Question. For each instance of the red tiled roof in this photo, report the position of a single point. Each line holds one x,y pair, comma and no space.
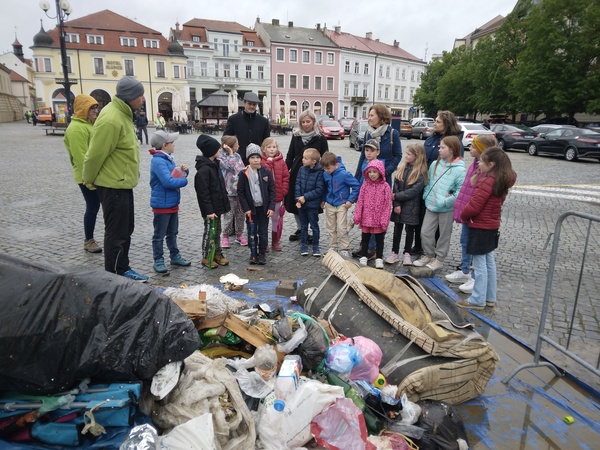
350,41
14,76
199,27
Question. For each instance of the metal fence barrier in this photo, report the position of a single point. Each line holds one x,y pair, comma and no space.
542,337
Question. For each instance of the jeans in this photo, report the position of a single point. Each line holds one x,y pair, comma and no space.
484,271
119,223
92,206
165,225
466,258
309,216
408,239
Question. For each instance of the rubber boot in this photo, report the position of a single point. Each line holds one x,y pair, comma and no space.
275,241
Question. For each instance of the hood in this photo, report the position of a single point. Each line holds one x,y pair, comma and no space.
82,105
377,164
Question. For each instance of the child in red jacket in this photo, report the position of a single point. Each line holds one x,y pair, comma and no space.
272,159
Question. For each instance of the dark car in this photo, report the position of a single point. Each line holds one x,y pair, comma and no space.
346,123
570,142
513,136
357,133
547,127
331,129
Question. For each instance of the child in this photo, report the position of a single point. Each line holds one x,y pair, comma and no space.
256,190
445,178
272,159
212,197
309,193
463,275
341,191
407,192
371,154
482,214
231,165
165,181
373,210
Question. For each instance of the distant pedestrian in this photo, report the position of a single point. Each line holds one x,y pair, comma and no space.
309,191
272,159
142,126
248,125
159,123
28,116
34,118
231,165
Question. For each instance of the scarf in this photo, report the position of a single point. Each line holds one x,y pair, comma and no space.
306,137
376,133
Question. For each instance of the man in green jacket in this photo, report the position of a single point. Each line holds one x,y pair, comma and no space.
112,165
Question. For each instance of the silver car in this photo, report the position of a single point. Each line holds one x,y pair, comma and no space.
422,129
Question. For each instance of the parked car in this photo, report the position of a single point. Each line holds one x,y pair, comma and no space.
470,130
547,127
331,129
357,133
346,123
322,117
570,142
513,135
406,129
44,115
422,129
414,120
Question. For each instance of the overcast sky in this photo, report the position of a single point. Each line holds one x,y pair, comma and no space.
422,27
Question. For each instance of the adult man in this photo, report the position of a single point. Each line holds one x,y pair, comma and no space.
112,164
141,123
248,126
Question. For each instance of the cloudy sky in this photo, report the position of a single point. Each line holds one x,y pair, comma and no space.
421,27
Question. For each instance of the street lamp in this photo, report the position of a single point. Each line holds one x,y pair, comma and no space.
63,10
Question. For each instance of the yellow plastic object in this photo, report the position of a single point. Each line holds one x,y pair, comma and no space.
569,419
218,352
379,381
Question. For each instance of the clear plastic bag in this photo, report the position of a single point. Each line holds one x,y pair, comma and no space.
342,358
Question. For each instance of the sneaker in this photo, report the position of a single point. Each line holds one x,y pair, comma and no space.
344,254
179,260
316,253
159,265
295,236
225,242
465,304
133,275
467,288
261,260
392,258
422,261
458,277
253,260
379,263
221,260
406,259
214,265
490,304
304,253
91,246
356,253
240,239
363,261
435,264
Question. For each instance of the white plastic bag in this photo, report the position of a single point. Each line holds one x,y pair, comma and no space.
197,433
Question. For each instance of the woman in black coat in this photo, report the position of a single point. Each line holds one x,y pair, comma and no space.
306,136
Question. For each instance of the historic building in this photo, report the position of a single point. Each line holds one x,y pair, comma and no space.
21,76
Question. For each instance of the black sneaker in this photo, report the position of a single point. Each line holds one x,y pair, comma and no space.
253,260
261,260
356,253
295,236
416,251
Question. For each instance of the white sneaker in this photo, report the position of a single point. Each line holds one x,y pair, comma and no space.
467,288
392,258
458,277
422,261
407,260
435,264
363,261
344,254
379,263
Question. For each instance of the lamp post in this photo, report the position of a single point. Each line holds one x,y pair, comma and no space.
63,10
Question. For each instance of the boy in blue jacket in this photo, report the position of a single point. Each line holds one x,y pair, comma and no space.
309,194
165,181
341,191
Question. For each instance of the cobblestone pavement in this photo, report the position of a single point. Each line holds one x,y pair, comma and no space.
41,219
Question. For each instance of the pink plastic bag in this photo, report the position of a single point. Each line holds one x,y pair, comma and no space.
368,368
341,426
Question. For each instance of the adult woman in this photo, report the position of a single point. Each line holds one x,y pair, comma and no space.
445,125
77,138
306,136
390,147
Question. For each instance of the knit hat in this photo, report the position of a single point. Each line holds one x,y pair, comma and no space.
478,145
209,146
128,88
372,143
253,149
162,137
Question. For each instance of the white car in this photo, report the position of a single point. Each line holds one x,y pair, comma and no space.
421,119
470,130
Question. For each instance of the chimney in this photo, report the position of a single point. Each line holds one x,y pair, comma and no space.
338,29
291,24
275,22
318,26
257,19
369,35
177,26
396,43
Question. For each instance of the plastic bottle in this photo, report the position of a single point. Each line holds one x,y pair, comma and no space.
287,380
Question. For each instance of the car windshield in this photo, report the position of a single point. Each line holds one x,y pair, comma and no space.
585,131
330,123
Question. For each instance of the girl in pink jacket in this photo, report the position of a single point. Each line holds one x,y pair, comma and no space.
373,208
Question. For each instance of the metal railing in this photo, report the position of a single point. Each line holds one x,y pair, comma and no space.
542,337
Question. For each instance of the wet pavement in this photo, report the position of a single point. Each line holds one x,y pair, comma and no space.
42,208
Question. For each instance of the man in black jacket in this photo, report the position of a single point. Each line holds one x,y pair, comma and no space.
248,126
141,124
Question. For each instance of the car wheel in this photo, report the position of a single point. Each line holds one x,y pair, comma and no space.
350,143
571,153
421,136
532,149
502,144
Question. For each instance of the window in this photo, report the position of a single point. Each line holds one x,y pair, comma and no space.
69,67
346,89
365,91
203,69
347,67
261,72
402,89
386,93
250,43
293,81
379,88
396,90
364,112
412,93
366,71
318,83
128,63
225,47
404,74
160,69
190,68
248,71
195,38
419,76
355,90
380,70
306,56
412,75
216,69
152,43
216,44
236,70
280,54
226,70
128,42
330,83
280,81
293,55
397,73
72,37
346,111
99,66
235,46
330,58
318,57
387,71
305,82
95,39
357,67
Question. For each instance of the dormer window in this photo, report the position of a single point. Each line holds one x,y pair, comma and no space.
195,38
97,39
128,42
151,43
72,37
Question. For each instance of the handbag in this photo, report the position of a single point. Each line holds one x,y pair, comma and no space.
481,241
